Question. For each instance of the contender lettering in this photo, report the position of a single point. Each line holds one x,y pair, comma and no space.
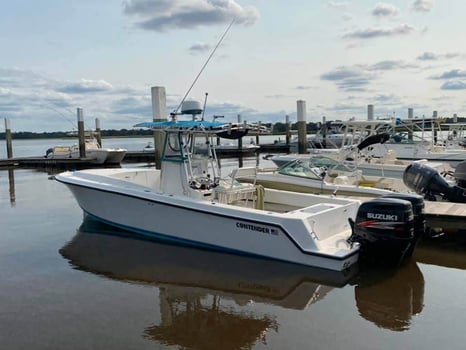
256,228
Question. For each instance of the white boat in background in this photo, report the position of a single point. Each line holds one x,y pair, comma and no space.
149,147
421,139
378,152
94,151
419,150
387,166
188,201
307,175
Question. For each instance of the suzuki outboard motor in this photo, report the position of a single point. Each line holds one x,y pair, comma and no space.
427,181
385,229
417,202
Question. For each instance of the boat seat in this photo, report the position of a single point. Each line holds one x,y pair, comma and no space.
231,190
383,183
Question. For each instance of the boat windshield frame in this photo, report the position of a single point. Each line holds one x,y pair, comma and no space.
300,168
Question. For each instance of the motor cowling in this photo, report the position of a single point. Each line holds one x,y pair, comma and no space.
427,181
419,225
385,229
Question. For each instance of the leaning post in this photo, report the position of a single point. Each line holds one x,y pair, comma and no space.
258,132
9,146
82,143
302,127
159,106
240,144
287,128
97,131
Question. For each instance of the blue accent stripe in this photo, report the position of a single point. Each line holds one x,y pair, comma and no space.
185,242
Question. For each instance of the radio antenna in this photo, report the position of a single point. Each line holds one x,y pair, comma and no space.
205,103
205,64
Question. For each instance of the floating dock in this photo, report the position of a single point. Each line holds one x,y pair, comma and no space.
130,157
446,215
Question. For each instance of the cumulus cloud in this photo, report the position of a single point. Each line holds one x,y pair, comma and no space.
454,85
391,65
334,4
452,74
385,10
85,86
422,5
358,77
166,15
430,56
304,87
348,78
372,33
346,17
14,77
199,48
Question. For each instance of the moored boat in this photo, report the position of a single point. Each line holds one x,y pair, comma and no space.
188,201
94,151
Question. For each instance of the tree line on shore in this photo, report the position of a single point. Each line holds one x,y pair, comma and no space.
276,129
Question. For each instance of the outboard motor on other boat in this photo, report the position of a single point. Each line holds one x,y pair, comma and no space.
428,182
385,229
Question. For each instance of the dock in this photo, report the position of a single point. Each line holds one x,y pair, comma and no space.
130,157
446,215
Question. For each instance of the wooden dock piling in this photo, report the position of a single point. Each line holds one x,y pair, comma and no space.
9,146
98,133
302,127
159,106
82,144
287,125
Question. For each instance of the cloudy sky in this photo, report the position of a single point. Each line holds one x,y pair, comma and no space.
338,56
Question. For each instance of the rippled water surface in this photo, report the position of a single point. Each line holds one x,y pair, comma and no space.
67,282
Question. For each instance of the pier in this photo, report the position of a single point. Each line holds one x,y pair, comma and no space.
130,157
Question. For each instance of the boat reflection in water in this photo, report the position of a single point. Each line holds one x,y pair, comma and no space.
205,296
390,298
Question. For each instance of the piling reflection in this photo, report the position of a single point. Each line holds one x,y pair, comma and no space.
390,298
11,181
206,298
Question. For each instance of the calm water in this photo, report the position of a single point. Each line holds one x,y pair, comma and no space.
70,283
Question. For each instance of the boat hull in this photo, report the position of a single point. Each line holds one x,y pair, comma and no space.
115,156
209,225
413,151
